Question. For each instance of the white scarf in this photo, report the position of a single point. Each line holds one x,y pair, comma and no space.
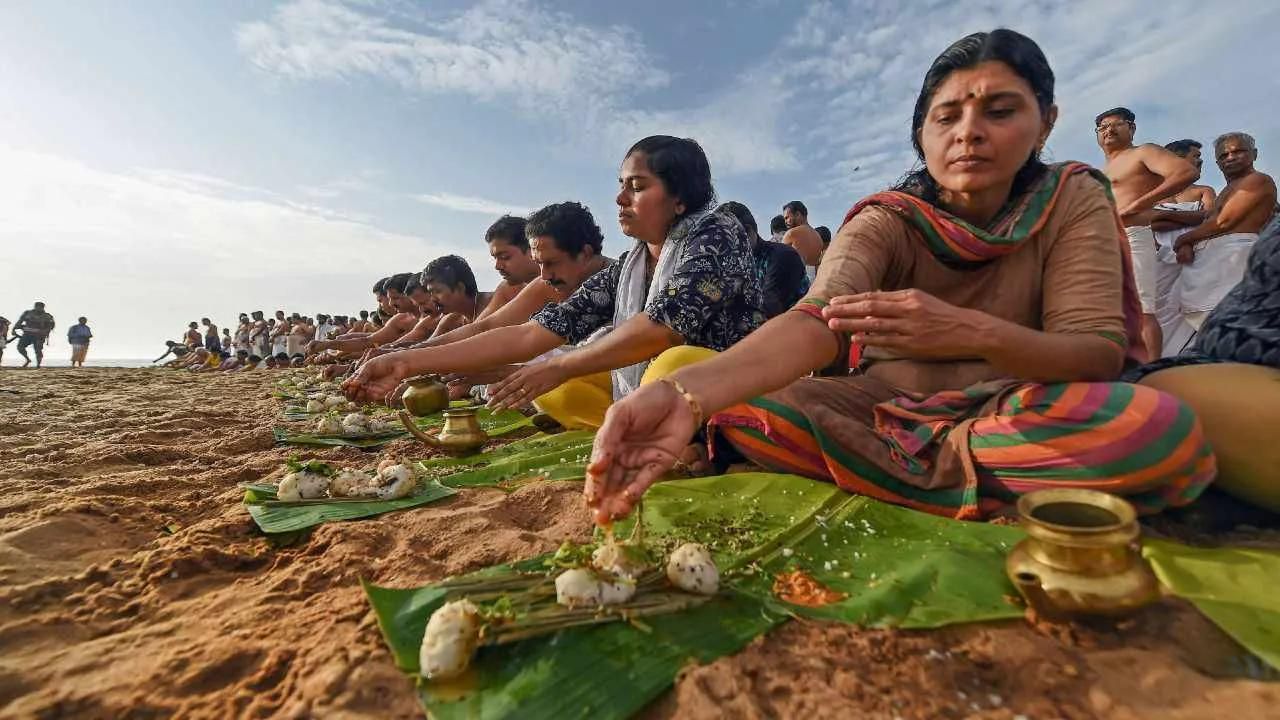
630,298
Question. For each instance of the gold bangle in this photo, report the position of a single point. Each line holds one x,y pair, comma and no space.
694,405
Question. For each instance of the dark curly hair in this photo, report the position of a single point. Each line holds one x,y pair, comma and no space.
1012,48
509,229
682,167
450,270
570,224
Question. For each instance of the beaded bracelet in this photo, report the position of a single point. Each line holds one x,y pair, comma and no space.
694,405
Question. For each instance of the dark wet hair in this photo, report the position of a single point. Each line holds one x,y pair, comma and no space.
777,224
255,358
744,216
281,356
415,283
570,224
204,320
450,270
682,167
193,324
796,206
509,229
824,232
364,314
242,351
81,320
380,287
397,282
1182,148
1012,48
224,354
1123,113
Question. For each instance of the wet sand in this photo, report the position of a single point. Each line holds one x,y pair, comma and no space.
133,584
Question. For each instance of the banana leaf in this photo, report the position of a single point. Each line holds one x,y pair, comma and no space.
291,518
1233,587
496,424
899,567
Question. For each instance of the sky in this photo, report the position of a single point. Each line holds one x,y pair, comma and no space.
161,162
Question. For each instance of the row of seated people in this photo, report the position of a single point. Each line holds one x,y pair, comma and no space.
963,342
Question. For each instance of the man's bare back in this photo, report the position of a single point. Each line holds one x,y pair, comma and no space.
806,241
1247,203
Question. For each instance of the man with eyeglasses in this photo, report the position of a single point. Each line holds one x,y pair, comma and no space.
1141,176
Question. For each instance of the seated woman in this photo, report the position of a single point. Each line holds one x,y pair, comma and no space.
991,299
1230,376
686,289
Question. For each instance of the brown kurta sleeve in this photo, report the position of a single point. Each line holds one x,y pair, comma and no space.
861,255
1083,281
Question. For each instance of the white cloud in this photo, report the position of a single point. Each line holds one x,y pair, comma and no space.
595,82
463,203
496,48
143,253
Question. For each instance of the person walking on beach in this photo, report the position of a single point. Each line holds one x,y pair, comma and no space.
78,338
35,324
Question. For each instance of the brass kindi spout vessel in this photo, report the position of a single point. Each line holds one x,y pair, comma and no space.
461,434
426,395
1080,556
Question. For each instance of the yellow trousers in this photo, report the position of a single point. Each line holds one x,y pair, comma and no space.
1239,408
580,403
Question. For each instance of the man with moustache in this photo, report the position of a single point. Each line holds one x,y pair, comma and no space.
509,249
1172,218
1141,176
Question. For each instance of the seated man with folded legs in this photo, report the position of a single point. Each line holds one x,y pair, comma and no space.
685,290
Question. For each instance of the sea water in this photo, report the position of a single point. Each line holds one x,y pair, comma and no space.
13,359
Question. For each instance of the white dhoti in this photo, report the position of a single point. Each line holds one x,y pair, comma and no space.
1173,326
1142,248
1218,266
811,272
279,345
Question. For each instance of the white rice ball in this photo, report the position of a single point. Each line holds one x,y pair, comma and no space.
396,481
355,423
450,640
302,486
617,591
351,483
691,569
329,425
315,406
578,587
334,401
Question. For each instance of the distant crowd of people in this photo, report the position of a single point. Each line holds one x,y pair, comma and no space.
33,330
260,342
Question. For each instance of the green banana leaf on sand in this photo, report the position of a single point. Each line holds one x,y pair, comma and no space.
541,456
289,518
496,424
897,566
1233,587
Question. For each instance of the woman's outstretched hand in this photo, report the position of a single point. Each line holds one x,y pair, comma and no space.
642,437
910,322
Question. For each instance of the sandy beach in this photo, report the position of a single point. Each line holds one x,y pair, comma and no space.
133,584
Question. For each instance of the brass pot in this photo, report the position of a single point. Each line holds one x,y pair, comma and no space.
1080,556
460,436
426,395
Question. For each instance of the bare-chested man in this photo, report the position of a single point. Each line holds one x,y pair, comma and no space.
1173,217
802,237
1214,254
1141,176
509,249
259,343
192,336
406,315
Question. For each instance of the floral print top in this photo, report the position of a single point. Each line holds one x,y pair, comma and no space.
713,299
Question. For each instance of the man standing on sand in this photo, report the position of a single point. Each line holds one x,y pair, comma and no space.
1173,217
35,324
4,335
192,336
259,344
212,342
803,238
1141,176
1215,253
78,338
